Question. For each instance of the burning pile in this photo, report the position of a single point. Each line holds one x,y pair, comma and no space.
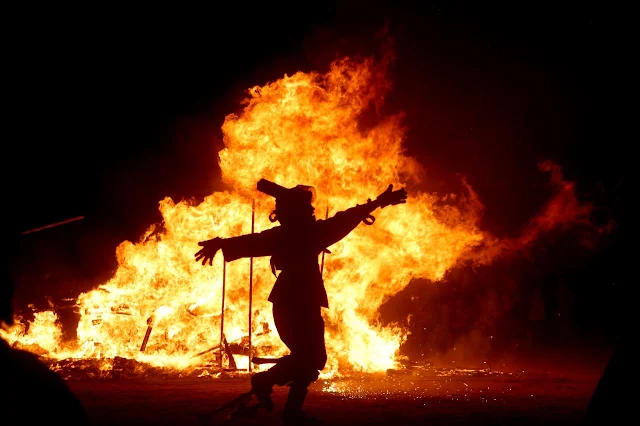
301,129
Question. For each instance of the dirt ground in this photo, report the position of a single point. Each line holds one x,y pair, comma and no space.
425,397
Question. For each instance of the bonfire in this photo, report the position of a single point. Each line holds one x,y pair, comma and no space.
161,312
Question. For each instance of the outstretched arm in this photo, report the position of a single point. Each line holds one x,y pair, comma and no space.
251,245
390,198
208,250
340,225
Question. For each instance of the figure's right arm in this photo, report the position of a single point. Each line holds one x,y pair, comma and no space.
340,225
250,245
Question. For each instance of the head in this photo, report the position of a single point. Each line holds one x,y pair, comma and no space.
293,205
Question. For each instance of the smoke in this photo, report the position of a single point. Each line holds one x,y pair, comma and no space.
513,296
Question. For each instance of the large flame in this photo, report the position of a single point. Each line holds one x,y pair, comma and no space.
301,129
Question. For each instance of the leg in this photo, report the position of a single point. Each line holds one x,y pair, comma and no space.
305,338
302,330
281,373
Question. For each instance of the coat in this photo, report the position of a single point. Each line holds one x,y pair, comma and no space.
294,251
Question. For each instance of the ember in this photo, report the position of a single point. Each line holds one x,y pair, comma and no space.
161,313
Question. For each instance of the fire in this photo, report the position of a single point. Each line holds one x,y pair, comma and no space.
301,129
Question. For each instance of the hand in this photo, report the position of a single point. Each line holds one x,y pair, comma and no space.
391,197
208,250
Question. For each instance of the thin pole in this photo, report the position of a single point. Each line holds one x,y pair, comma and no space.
224,283
326,216
143,347
253,217
53,225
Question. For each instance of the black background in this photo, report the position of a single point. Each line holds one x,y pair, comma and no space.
115,109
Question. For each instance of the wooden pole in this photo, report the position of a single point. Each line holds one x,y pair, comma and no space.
224,283
253,216
143,347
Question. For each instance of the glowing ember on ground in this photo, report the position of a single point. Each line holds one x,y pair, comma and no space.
414,383
300,129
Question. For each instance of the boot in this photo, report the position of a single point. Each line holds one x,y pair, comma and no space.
292,414
262,388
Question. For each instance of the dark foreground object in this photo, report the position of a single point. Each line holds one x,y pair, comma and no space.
460,398
611,402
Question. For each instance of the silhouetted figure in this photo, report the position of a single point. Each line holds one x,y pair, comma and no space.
32,394
298,294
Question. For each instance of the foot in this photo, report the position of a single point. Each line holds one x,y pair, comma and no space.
262,389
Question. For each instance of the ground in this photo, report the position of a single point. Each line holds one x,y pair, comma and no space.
422,396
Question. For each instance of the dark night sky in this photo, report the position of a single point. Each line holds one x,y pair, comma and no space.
116,111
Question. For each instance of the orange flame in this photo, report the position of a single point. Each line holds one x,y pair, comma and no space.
301,129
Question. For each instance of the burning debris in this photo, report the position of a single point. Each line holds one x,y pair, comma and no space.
162,313
126,368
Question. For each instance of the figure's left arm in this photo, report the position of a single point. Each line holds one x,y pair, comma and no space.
249,245
340,225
